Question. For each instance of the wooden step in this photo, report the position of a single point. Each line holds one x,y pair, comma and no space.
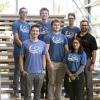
10,60
5,37
6,54
6,42
7,90
6,82
96,89
6,74
5,48
7,67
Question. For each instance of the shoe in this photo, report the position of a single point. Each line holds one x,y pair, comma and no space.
16,95
66,96
42,96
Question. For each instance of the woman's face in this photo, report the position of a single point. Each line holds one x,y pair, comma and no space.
76,44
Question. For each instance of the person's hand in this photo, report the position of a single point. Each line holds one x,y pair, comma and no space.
50,65
23,72
72,76
91,67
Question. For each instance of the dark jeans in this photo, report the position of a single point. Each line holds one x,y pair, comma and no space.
44,89
35,80
65,86
76,88
17,76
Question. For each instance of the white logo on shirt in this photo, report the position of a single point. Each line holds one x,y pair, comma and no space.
73,57
69,34
35,49
57,40
24,28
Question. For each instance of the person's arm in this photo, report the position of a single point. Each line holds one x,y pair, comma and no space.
17,40
80,70
44,61
66,48
15,30
93,59
47,53
21,60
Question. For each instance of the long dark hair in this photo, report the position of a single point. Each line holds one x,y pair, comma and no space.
80,50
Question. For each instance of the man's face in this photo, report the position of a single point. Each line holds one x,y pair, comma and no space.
34,33
71,20
44,14
23,13
84,26
56,27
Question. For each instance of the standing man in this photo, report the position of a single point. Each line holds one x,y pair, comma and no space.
56,46
45,26
20,30
33,50
90,47
69,32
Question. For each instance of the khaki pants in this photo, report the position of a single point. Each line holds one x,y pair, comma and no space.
55,75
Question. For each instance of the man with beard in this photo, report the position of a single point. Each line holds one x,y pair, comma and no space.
90,47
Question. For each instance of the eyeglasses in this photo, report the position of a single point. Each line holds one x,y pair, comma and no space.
23,12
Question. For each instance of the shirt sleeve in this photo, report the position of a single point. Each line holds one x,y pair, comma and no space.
65,41
44,50
47,39
15,27
93,44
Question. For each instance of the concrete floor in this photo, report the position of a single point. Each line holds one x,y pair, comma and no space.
8,97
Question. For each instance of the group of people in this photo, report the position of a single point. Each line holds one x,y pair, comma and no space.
45,55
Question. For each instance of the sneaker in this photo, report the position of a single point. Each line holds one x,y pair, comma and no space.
42,96
16,95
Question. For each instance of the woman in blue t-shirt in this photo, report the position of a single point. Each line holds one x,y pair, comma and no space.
75,61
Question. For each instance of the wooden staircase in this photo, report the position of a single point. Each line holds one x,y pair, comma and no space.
6,51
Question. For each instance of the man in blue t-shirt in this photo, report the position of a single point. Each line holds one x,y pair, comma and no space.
56,46
45,25
69,31
20,30
33,50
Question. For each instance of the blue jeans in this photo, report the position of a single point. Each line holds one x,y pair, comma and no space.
35,80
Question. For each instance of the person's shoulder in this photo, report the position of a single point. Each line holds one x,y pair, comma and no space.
16,22
90,36
26,41
42,42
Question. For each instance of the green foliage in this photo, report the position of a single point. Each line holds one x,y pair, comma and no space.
4,5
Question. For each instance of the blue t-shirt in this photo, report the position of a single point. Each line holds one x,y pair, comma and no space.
23,29
45,29
57,43
69,33
75,59
33,52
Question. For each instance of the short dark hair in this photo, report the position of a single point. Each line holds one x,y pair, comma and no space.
84,20
21,9
44,9
35,25
55,21
79,40
71,14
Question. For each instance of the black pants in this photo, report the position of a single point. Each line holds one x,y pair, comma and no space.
44,89
76,88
